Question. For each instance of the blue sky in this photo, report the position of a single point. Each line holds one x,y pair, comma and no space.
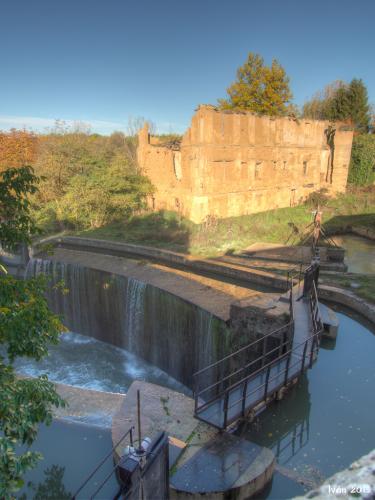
101,62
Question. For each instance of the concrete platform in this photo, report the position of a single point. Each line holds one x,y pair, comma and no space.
225,464
205,462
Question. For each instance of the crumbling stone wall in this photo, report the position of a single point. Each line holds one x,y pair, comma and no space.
232,164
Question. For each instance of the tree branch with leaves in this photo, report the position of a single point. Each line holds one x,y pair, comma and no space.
27,328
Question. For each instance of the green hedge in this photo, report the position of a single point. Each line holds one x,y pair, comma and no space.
362,164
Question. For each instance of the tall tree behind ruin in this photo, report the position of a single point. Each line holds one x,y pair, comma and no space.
259,88
341,101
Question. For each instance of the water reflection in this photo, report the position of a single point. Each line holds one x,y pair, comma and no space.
286,428
70,452
326,421
52,487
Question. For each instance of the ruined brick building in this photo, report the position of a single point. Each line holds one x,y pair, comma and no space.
230,164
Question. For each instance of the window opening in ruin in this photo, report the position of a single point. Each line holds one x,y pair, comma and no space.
274,164
305,168
258,167
284,165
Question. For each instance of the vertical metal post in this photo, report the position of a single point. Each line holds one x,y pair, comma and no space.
287,367
139,418
244,393
226,398
312,351
265,340
303,357
285,332
267,379
195,395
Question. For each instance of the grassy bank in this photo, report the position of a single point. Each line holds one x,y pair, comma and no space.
216,236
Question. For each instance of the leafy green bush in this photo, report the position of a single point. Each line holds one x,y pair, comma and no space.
362,165
101,196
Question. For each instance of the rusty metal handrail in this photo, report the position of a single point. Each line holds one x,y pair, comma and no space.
216,363
310,348
277,348
129,433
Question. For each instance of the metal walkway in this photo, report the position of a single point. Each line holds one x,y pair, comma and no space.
243,381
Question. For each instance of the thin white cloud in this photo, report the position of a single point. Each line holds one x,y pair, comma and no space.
40,124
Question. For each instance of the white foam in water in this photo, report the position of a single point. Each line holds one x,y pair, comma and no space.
85,362
74,338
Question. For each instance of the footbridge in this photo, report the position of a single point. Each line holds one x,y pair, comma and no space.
247,380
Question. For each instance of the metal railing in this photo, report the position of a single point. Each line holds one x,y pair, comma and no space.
294,277
129,433
291,360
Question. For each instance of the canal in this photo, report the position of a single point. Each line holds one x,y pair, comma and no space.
327,420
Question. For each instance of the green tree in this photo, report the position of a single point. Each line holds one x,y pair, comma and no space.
259,88
27,327
360,108
103,195
343,102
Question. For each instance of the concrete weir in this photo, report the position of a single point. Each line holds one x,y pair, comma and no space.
180,314
180,321
172,318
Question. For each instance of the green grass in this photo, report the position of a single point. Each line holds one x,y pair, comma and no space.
217,236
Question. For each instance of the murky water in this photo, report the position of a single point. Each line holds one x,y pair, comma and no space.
327,421
88,363
359,253
70,451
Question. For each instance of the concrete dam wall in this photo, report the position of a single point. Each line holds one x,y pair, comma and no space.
162,328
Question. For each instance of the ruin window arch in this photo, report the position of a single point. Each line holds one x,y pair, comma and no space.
305,168
258,169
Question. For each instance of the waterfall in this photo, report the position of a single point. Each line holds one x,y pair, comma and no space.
160,327
134,313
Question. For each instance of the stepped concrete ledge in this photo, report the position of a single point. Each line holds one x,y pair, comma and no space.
86,405
204,463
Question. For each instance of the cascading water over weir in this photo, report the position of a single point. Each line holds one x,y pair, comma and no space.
172,334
